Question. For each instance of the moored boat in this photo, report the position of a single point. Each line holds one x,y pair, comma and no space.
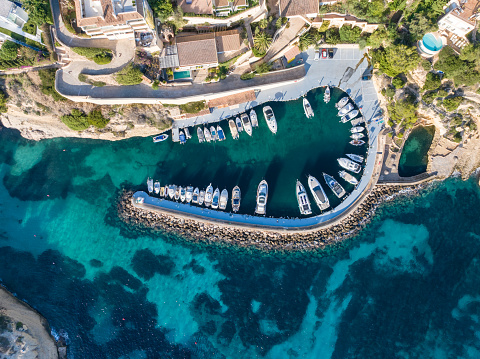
187,133
195,195
223,200
209,195
160,138
270,118
254,118
247,126
201,197
172,189
150,184
208,136
220,134
156,187
162,191
233,129
307,108
357,136
236,197
302,198
357,129
357,142
183,194
238,122
189,194
349,116
344,110
349,165
318,193
326,95
341,103
165,191
334,186
177,193
213,133
348,177
356,158
216,197
201,137
182,137
262,196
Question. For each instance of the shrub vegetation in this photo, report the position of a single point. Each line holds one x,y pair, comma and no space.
129,75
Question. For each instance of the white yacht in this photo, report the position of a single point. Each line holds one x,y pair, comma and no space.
156,187
307,108
223,200
216,196
356,158
349,116
247,126
254,118
189,195
318,193
357,129
262,196
357,136
171,191
344,110
150,185
348,177
183,194
270,118
326,95
201,197
302,198
236,197
196,192
187,133
349,165
334,186
209,195
201,137
177,193
233,129
238,122
208,136
341,103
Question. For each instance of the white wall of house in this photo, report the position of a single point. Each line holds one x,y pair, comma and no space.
455,24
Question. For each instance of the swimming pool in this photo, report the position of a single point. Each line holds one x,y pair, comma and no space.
432,42
178,75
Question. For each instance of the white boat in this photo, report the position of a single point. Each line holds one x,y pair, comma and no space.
238,122
334,186
302,198
160,138
357,129
349,116
162,191
307,108
201,137
357,142
183,194
177,193
247,126
171,191
357,136
356,158
213,133
270,118
348,177
208,136
209,195
254,118
220,133
223,200
156,187
216,196
233,129
195,195
318,193
182,138
349,165
341,103
187,133
189,195
326,95
262,196
343,111
201,197
150,184
236,197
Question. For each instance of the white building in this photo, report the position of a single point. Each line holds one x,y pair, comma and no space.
460,17
12,13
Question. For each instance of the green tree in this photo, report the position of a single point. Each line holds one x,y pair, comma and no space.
263,24
263,68
378,37
419,26
129,75
262,42
9,51
96,119
349,34
280,22
397,59
162,8
452,103
375,8
397,5
3,102
177,18
76,121
432,82
332,36
38,11
403,112
305,41
461,71
471,53
398,82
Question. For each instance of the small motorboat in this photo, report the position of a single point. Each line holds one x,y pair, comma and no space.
326,95
349,116
160,138
165,191
247,126
201,197
343,111
208,136
357,136
270,118
302,198
349,165
172,190
201,137
334,186
318,193
356,158
357,129
236,197
156,187
262,196
254,118
187,133
348,177
177,193
183,194
216,197
233,129
357,142
340,104
189,195
150,184
223,200
307,108
213,133
209,195
195,195
182,137
220,134
238,122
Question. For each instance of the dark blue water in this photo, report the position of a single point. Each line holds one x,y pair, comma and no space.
407,287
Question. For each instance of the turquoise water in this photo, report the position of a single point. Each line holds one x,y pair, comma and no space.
431,42
178,75
414,158
407,287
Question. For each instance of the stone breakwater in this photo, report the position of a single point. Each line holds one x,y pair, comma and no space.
209,232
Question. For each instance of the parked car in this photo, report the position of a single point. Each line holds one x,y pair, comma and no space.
330,53
317,55
324,53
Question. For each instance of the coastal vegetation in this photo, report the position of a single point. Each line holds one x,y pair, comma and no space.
129,75
78,121
98,55
193,107
47,87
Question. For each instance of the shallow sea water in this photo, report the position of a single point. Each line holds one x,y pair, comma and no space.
407,287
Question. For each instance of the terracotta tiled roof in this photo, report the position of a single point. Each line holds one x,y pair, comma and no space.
108,17
197,49
290,54
467,10
231,100
201,7
298,7
228,40
219,3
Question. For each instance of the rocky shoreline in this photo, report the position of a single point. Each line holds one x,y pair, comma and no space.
266,240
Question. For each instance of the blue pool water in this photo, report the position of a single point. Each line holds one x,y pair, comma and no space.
178,75
431,42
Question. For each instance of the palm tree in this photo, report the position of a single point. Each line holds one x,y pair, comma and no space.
262,42
263,24
305,41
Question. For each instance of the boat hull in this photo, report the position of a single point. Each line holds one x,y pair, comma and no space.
318,193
